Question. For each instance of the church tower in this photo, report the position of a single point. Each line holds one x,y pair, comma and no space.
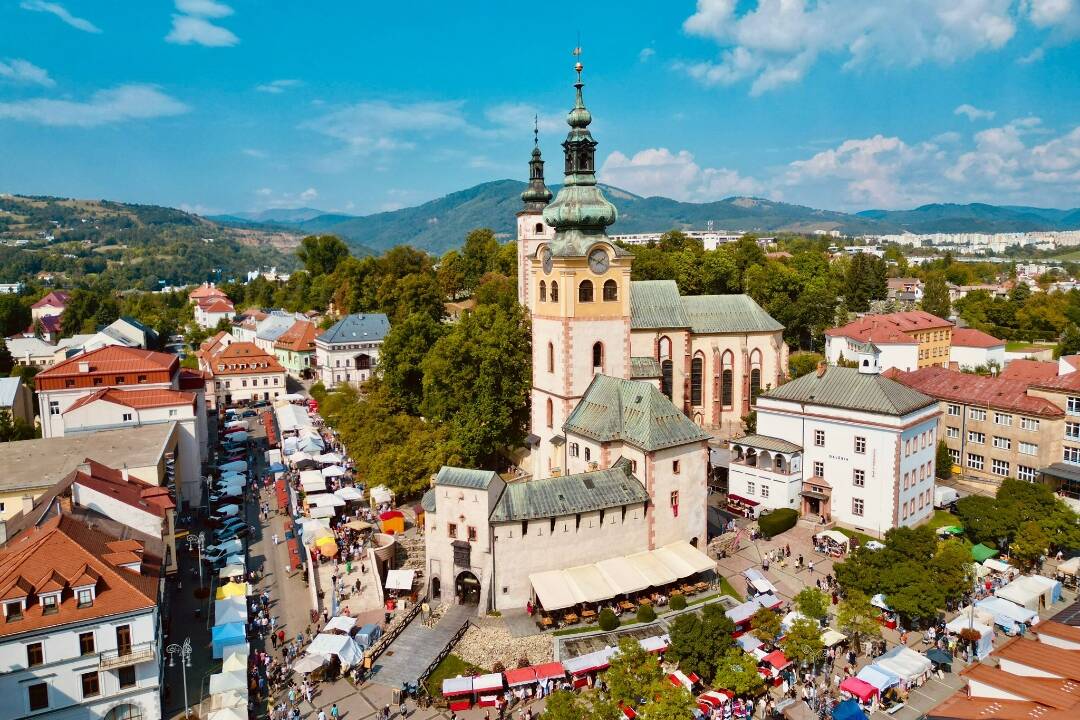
531,228
579,295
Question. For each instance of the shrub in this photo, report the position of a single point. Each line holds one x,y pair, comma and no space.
498,667
777,521
608,620
678,602
645,614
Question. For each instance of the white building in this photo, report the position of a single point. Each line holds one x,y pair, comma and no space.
841,443
211,311
348,352
973,348
241,373
81,637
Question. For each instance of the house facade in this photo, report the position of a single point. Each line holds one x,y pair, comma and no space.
295,348
241,373
907,340
348,351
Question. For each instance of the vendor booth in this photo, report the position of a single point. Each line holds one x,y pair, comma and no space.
863,691
848,709
222,636
228,682
909,665
368,634
458,692
879,677
985,644
832,542
344,647
757,583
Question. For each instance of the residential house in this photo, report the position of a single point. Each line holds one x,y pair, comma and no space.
295,348
246,323
205,291
211,311
31,351
348,351
241,373
272,327
973,348
17,399
52,305
908,289
907,340
81,636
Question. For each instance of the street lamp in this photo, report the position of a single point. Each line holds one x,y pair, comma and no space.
197,541
184,651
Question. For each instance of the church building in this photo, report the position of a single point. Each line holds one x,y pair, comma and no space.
629,382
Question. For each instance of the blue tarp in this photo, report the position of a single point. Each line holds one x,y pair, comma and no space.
224,635
848,710
276,468
368,634
879,677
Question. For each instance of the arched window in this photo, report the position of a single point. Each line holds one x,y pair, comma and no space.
611,290
539,228
697,369
727,387
665,378
584,291
551,358
755,383
554,291
543,291
550,413
598,356
664,348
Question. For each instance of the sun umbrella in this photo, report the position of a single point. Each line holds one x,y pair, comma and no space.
327,546
359,525
310,663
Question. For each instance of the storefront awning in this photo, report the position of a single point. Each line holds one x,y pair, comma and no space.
652,569
590,584
552,590
622,575
689,556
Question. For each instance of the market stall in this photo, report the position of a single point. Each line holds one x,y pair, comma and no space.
985,644
487,689
226,634
1022,592
344,647
832,542
340,623
228,681
879,677
859,689
909,665
458,692
757,583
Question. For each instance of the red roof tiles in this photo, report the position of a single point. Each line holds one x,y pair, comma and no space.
56,298
299,338
137,399
243,358
205,291
970,337
112,365
997,393
1030,370
142,496
889,329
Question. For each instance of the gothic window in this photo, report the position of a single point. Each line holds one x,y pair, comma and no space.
611,290
755,383
550,413
697,367
598,355
551,358
727,387
584,293
543,291
664,349
554,291
665,378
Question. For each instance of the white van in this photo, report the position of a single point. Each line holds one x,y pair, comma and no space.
945,496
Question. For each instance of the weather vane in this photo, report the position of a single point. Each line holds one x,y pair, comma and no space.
536,130
577,53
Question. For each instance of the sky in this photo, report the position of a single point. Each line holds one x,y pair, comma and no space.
242,105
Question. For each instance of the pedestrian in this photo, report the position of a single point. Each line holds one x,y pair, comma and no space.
810,566
386,712
334,712
403,710
322,714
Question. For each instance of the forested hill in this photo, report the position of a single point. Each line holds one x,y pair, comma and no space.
129,246
441,224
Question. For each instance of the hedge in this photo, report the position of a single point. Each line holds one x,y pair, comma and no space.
678,602
777,521
608,620
645,614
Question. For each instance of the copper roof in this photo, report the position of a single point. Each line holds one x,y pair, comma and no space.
970,337
216,305
298,338
1052,660
966,389
74,551
1030,370
112,359
138,399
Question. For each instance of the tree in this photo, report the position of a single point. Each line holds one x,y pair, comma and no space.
478,255
943,461
566,705
7,362
402,357
982,518
801,363
14,315
412,293
812,603
321,254
766,625
669,702
1029,545
15,428
802,643
697,641
1069,342
936,296
451,274
633,674
857,618
737,671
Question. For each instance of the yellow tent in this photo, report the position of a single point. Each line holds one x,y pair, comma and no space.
232,589
327,546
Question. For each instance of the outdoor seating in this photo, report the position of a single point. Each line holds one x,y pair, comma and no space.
645,601
546,621
588,616
626,605
570,618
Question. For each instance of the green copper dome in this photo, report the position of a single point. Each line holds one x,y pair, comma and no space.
580,212
537,195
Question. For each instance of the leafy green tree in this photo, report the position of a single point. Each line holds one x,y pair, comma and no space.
633,675
497,289
980,517
403,353
1069,342
15,428
413,293
698,641
321,254
936,296
566,705
451,274
669,703
857,618
943,461
813,603
801,363
802,643
6,361
766,625
14,315
1029,545
478,255
737,671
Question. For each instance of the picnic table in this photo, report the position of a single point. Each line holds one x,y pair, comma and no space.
645,601
687,589
546,621
674,592
702,586
626,605
588,615
570,618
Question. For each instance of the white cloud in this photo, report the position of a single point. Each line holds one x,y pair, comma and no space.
658,171
204,8
254,153
776,42
378,125
61,12
973,113
646,54
25,72
104,107
516,120
276,87
189,30
1062,17
309,195
268,198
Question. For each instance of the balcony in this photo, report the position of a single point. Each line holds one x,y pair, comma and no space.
139,653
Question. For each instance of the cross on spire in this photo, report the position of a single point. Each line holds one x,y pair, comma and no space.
536,130
577,54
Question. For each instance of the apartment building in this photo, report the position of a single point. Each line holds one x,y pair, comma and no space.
1063,391
348,351
907,340
994,427
241,372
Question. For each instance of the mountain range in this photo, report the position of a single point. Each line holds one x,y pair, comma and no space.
441,224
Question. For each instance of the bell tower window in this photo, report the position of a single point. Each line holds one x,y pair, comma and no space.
611,290
543,291
598,357
585,291
539,228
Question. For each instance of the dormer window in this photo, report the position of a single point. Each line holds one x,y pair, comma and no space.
50,603
13,610
120,380
85,596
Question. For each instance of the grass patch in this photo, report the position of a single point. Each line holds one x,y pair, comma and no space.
942,518
451,666
1022,346
862,537
577,630
727,588
707,598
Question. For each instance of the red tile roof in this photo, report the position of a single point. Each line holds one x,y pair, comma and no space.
56,298
191,379
140,495
962,707
970,337
889,329
216,305
71,549
49,324
246,358
1030,370
205,291
1069,382
138,399
111,360
997,393
299,338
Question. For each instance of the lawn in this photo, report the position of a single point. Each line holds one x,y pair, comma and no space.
1021,346
942,518
726,588
863,538
451,666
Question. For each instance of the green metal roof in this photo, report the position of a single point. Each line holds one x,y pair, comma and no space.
428,501
767,442
569,494
465,477
712,314
850,389
644,367
633,411
656,304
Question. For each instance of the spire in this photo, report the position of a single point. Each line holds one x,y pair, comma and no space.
537,195
580,211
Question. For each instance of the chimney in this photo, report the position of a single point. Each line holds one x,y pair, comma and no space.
821,368
28,504
124,472
3,531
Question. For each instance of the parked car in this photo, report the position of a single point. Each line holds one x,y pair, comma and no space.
945,497
231,533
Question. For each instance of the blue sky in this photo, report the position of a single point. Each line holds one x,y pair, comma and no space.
360,107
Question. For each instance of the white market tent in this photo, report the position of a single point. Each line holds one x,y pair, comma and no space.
692,558
226,681
382,494
292,417
1070,566
230,699
553,590
333,471
234,662
347,649
231,571
589,583
835,536
230,610
652,569
400,579
878,601
228,713
1007,613
239,648
312,481
330,458
1051,588
1022,593
879,677
292,397
321,512
906,663
344,623
986,632
758,581
832,637
349,494
325,500
997,565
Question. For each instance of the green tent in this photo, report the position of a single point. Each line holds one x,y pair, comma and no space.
981,552
950,530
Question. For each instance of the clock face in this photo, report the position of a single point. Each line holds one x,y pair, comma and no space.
545,258
598,261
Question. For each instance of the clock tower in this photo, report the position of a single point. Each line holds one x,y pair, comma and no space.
578,295
531,228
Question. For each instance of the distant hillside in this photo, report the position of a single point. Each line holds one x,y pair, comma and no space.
274,215
441,224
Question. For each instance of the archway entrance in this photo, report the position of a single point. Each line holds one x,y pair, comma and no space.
125,712
436,588
467,588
